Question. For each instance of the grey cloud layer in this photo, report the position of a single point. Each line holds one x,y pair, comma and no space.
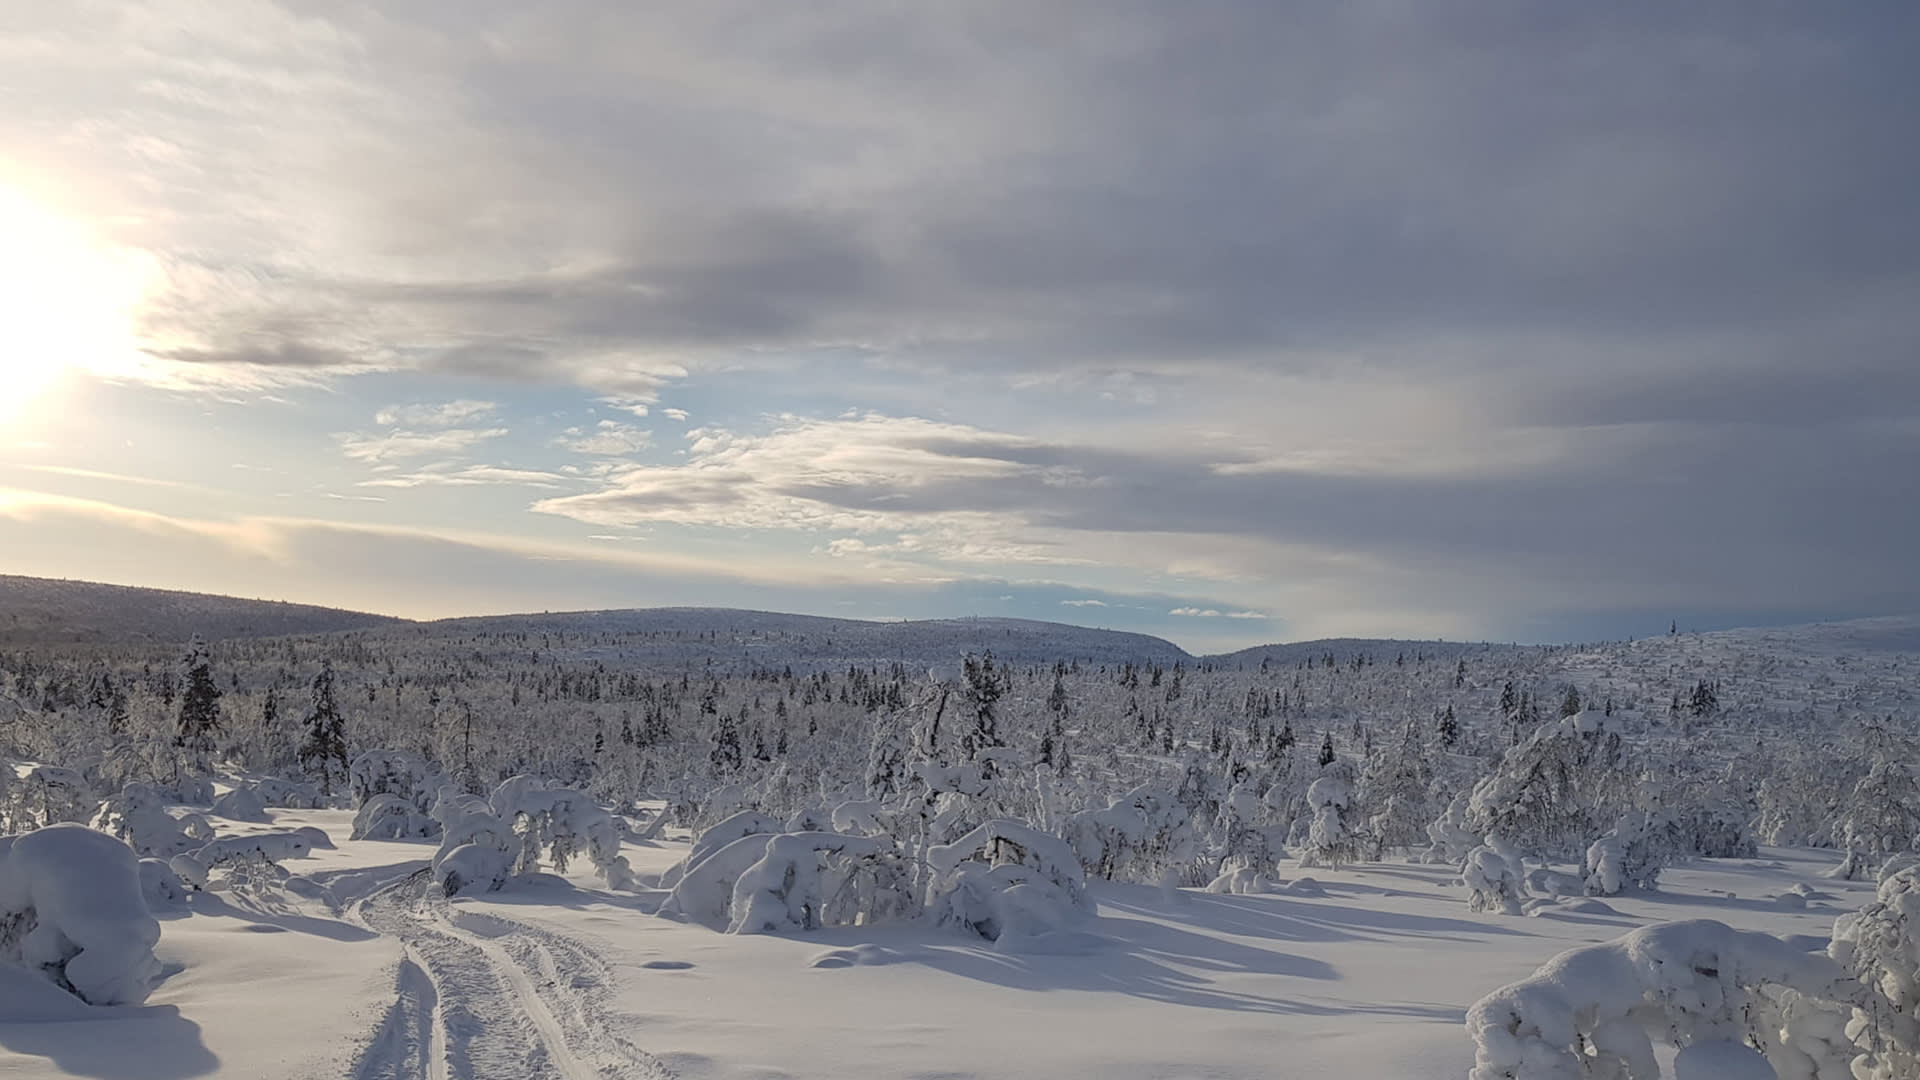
1616,303
601,192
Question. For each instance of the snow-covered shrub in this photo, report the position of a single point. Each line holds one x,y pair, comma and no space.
1719,832
1880,946
717,836
47,795
1004,881
703,891
1551,794
273,847
1630,856
1331,839
247,861
394,772
485,843
1249,844
289,794
1492,874
559,823
781,892
1905,860
243,803
389,817
1881,816
161,886
1450,838
139,815
476,848
1241,881
1596,1011
1140,837
71,907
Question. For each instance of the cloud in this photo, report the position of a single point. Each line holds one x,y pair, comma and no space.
608,438
444,415
394,445
659,199
451,475
1083,603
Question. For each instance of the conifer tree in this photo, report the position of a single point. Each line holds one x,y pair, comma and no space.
325,743
199,701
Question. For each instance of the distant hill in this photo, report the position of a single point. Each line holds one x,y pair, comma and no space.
44,611
1343,650
674,636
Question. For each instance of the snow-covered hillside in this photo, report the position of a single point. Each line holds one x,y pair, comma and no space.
709,843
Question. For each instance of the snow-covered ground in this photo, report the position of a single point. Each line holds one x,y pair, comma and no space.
376,977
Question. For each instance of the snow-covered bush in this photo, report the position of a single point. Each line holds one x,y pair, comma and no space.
1880,946
1597,1011
1331,838
161,886
1005,881
781,892
1450,838
1881,816
1631,855
47,795
703,891
71,907
1553,793
394,772
1493,876
485,843
139,815
389,817
1141,837
560,823
1241,881
719,835
289,794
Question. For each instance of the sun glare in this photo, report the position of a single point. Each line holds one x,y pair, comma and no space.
67,304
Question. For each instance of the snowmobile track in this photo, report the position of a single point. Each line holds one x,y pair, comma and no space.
479,997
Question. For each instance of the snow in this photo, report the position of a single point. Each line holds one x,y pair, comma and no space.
72,905
1139,988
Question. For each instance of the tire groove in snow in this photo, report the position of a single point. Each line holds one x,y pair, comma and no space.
475,1006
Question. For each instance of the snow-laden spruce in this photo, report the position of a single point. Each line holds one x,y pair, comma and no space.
72,908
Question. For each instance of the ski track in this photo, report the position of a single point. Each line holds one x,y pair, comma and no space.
479,997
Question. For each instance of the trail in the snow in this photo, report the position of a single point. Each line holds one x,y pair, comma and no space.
480,997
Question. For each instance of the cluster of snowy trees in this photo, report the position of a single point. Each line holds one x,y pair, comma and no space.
1580,756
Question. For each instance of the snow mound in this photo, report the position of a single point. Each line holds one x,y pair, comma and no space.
865,955
71,905
241,804
161,887
1304,886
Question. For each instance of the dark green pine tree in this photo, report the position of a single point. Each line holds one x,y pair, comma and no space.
726,754
1326,750
986,684
199,701
1449,728
325,744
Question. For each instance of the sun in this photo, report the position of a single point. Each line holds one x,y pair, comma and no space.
67,304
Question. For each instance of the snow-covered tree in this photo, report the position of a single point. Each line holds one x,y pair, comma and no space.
323,748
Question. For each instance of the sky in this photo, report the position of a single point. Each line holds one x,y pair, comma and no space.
1228,322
